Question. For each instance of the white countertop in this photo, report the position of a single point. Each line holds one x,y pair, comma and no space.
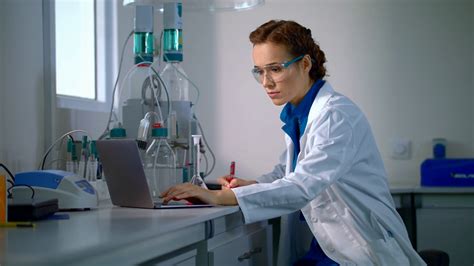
107,231
111,234
427,190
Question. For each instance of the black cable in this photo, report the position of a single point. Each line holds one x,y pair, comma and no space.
8,171
47,152
21,185
70,136
12,184
44,160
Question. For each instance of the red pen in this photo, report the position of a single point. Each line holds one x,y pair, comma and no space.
232,172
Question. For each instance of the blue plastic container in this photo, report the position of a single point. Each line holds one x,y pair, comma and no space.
447,172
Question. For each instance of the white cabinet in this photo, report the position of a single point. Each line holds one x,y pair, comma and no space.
233,243
186,259
242,247
228,242
440,218
446,222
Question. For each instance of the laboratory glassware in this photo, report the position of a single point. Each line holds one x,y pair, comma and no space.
93,164
143,34
71,156
172,32
139,96
197,179
175,78
160,162
84,157
173,73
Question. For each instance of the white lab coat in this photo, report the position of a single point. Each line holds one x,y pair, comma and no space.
339,184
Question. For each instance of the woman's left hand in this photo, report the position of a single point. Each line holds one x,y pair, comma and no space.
189,192
196,194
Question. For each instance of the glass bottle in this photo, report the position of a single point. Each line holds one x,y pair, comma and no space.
136,97
160,162
173,73
175,78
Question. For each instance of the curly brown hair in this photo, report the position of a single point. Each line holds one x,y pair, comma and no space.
296,38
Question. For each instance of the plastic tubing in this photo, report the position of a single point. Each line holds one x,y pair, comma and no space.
56,141
107,128
127,76
164,87
150,75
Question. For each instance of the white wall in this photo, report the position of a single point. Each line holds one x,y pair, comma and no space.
404,63
408,64
2,83
22,86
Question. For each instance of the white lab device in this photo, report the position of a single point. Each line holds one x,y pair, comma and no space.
72,191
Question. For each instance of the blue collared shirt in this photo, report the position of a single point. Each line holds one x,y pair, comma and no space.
296,118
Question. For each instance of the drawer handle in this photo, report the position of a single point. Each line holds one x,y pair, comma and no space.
248,255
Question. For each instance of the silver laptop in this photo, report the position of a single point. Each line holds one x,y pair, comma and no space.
126,178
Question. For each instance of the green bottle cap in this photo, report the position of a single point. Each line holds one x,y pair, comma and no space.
69,145
159,132
93,148
118,132
84,142
73,152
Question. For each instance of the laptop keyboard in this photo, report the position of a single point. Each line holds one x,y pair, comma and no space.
159,203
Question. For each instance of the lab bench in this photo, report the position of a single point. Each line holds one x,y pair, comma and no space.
439,218
436,218
124,236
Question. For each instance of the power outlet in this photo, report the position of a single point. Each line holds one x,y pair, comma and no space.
401,149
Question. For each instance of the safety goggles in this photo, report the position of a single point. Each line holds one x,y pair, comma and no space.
276,72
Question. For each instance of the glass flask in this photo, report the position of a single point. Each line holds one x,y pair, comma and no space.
160,162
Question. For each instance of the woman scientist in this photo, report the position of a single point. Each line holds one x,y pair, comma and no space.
331,170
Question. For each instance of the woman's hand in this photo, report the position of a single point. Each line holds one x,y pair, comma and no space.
231,182
196,194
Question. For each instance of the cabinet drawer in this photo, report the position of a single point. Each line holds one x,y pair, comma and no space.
228,254
184,259
248,249
447,200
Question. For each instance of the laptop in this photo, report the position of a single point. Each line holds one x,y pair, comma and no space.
125,177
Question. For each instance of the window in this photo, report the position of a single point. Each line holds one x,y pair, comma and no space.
81,34
75,48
